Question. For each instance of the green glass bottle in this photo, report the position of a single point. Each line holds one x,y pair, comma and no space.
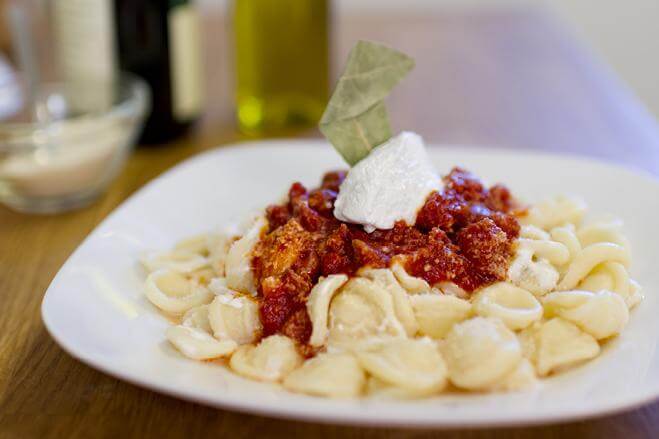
282,65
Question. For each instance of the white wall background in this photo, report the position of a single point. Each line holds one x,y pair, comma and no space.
625,33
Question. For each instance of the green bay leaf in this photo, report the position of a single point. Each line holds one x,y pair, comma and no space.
355,120
356,136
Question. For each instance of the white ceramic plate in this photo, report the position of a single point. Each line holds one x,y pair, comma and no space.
96,311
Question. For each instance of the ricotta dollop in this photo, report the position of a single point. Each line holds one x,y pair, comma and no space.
391,184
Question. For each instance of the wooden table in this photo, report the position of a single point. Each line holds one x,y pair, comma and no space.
513,78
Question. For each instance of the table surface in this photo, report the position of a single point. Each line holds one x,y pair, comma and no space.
514,78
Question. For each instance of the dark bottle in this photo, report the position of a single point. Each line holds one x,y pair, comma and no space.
159,40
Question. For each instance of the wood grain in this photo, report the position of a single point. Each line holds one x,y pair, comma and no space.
513,78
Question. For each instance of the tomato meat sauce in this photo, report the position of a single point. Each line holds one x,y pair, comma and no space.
463,235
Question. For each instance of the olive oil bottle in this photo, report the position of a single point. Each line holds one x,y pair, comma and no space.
282,66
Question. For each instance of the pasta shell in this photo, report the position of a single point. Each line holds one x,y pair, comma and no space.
173,293
197,344
362,314
197,317
218,249
516,307
480,352
538,277
523,377
334,375
318,304
413,285
234,318
451,289
219,286
437,313
602,314
567,236
402,306
179,261
635,294
377,388
603,231
556,211
271,360
527,341
238,263
613,276
530,231
589,258
415,365
561,344
195,244
552,251
202,276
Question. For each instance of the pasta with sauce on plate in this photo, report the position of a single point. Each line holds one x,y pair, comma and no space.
481,293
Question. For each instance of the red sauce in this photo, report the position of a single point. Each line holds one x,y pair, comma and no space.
463,235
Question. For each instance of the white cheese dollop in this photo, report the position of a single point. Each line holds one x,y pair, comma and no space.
390,184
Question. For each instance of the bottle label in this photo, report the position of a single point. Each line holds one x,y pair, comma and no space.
185,62
85,50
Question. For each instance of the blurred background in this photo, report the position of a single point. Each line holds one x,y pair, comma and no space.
623,33
84,81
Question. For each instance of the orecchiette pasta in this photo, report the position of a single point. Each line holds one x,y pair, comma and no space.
610,276
523,377
567,236
635,294
480,352
174,293
386,333
554,252
377,388
193,336
602,314
451,289
437,313
413,285
613,276
602,231
516,307
538,277
197,244
555,212
414,365
219,286
331,374
179,261
559,344
402,305
203,276
588,258
271,360
197,317
530,231
234,317
197,344
361,314
526,338
534,267
218,249
318,305
238,267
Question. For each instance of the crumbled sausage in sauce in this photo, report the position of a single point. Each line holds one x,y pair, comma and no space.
463,235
